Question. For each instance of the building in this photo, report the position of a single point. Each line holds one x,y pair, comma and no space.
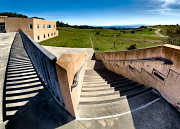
37,29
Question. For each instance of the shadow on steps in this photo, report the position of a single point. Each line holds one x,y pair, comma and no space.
41,112
148,109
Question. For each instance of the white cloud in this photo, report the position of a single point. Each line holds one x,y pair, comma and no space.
166,3
166,7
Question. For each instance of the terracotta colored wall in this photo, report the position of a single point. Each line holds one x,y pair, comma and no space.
44,31
67,66
13,24
145,72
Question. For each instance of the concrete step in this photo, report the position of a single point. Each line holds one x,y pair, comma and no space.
122,122
14,98
118,107
19,69
22,81
21,75
23,71
111,107
96,93
99,98
24,90
97,90
96,87
93,79
24,85
94,82
18,74
128,87
19,66
21,78
14,61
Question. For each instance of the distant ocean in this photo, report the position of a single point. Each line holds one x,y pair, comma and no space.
123,26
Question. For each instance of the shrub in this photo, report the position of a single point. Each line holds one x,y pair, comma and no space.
96,48
132,32
132,47
98,32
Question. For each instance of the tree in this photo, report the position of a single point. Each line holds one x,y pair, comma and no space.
10,14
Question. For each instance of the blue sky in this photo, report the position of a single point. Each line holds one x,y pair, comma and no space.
99,12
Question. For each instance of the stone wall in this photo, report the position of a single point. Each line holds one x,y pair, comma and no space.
67,67
157,67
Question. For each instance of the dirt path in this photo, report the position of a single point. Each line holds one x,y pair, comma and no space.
157,32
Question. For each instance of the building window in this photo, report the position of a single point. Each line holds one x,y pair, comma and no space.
44,26
48,35
31,26
37,26
51,34
54,33
38,37
48,26
44,36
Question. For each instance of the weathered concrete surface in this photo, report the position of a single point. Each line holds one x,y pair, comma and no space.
6,40
160,75
67,67
58,51
70,60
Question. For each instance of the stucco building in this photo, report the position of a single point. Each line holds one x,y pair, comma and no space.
37,29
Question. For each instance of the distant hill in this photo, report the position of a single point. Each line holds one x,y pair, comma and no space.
124,26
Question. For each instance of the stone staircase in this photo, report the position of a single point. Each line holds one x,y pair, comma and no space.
22,82
111,101
27,103
107,93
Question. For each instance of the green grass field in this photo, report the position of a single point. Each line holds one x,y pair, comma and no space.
104,39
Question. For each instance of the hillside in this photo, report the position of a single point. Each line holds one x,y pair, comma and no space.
105,39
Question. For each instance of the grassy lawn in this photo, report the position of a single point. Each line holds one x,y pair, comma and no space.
104,39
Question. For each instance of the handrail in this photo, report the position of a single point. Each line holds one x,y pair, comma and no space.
45,65
164,60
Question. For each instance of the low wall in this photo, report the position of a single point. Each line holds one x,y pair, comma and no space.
68,67
157,67
6,41
45,65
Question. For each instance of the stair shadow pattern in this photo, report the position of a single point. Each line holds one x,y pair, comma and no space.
27,103
149,110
